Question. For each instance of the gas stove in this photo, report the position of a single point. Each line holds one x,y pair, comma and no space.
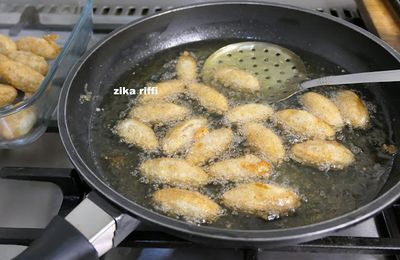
38,181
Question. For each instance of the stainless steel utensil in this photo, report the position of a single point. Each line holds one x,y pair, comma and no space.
281,72
277,69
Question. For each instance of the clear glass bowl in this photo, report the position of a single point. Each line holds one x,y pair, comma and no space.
24,122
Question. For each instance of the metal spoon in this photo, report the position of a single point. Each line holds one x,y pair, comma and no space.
281,72
278,70
354,78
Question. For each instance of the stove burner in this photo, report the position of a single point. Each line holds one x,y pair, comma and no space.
74,189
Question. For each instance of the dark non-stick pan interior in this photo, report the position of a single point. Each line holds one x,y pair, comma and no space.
145,47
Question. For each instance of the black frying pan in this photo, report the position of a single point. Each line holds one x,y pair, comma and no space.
104,65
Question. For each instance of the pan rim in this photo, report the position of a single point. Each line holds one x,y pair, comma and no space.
277,236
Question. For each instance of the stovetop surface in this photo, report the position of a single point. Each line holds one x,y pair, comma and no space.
48,155
40,159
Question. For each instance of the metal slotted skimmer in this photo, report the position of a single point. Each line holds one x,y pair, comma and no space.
277,69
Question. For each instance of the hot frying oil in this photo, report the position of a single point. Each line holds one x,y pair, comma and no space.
325,193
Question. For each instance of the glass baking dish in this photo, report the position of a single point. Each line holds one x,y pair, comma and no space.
25,121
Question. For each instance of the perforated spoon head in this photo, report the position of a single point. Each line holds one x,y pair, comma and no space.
278,70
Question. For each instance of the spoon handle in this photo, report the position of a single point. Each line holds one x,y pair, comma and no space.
364,77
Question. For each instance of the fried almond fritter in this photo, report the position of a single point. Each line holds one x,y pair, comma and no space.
261,199
191,205
241,169
45,46
322,153
249,113
134,132
19,75
6,44
323,108
264,141
208,97
210,145
159,113
352,108
166,91
181,136
18,124
303,123
186,67
237,79
7,94
35,62
173,171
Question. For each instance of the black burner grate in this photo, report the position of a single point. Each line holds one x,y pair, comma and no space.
74,189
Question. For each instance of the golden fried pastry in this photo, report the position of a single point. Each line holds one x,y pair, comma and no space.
7,94
134,132
45,47
301,122
210,145
6,44
186,67
264,141
241,169
35,62
182,135
322,153
159,113
174,172
261,199
249,113
352,108
237,79
191,205
166,90
209,98
323,108
18,124
19,75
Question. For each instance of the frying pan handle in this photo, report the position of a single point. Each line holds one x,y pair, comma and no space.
89,231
